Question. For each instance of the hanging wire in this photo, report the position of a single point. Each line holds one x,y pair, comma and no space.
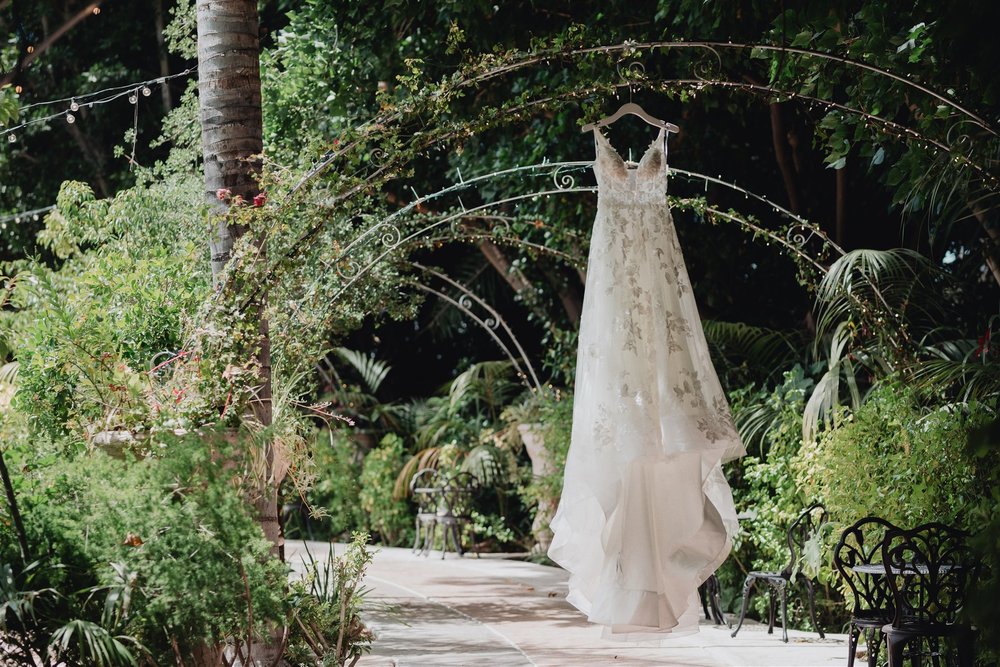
95,98
24,216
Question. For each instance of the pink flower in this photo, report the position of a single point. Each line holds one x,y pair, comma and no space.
984,345
222,194
259,199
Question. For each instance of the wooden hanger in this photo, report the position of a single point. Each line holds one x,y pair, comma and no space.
635,110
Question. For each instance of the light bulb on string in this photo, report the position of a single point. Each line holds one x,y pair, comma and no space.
70,118
133,99
73,106
11,138
146,92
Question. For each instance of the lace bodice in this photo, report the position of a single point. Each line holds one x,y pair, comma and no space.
645,183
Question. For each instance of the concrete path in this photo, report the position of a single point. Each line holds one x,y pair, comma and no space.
461,612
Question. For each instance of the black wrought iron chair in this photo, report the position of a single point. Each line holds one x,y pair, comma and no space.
710,593
858,559
425,489
455,508
929,570
806,525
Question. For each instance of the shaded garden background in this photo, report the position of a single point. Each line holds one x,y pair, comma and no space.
888,146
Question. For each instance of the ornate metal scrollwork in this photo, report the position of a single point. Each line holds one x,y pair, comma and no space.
631,71
562,179
390,235
799,235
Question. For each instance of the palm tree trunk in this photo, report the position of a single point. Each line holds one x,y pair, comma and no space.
230,115
232,142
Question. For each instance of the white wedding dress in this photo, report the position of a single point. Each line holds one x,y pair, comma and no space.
646,514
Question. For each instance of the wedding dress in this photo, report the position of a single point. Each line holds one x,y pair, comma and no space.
646,514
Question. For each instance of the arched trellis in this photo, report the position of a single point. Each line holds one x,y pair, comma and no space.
397,235
491,324
635,77
375,163
547,179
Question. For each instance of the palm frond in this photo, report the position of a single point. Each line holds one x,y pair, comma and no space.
760,348
826,395
887,288
425,458
371,370
977,381
91,643
8,372
488,463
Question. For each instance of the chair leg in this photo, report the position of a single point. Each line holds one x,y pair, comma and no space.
416,536
770,608
873,640
429,532
965,644
715,600
852,644
894,646
457,534
747,585
445,532
784,614
704,599
812,607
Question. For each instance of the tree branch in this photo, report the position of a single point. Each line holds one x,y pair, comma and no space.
840,228
779,137
510,273
41,48
993,234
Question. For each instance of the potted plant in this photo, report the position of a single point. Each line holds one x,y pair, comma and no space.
542,421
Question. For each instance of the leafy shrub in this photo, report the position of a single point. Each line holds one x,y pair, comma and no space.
765,485
387,515
193,555
551,410
899,460
333,497
325,607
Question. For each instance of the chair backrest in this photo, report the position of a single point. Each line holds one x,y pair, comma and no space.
929,570
861,544
458,494
804,528
425,489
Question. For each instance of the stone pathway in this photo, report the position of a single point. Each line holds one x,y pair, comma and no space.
460,612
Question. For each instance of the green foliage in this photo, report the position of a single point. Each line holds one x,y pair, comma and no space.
387,515
897,459
86,333
333,495
766,487
8,106
550,411
172,528
771,423
325,608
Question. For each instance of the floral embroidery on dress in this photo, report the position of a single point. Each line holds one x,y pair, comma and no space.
649,416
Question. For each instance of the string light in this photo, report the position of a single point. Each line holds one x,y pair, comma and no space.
24,216
95,98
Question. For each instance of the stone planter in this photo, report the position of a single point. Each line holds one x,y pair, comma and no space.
534,443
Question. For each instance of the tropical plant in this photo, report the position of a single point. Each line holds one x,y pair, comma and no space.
326,626
464,419
386,515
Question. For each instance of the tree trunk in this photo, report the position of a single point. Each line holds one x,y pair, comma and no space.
230,115
779,138
232,141
161,46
